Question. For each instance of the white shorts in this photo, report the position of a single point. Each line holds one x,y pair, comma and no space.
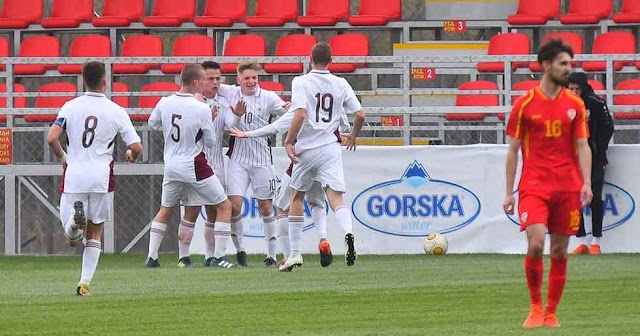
219,173
315,195
321,164
204,192
97,206
261,178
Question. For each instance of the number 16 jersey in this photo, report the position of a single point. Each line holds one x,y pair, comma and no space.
326,98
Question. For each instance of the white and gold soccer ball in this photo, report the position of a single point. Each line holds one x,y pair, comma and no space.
436,244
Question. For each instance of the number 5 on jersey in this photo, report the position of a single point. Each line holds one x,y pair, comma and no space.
175,136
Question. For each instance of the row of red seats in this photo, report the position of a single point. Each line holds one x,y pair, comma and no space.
618,42
19,14
533,12
461,99
185,46
124,101
493,99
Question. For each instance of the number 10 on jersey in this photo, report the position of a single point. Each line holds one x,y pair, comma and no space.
324,103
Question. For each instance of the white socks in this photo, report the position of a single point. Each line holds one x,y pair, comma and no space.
595,240
271,235
90,257
343,216
209,239
319,216
237,230
185,234
222,233
296,223
155,238
283,234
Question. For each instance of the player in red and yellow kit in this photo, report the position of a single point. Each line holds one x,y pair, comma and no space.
549,125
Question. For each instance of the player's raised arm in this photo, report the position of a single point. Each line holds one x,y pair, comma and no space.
279,126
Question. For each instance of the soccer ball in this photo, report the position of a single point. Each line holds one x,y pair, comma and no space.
436,244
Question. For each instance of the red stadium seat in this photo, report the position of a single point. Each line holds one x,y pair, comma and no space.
151,101
170,13
627,99
377,13
120,13
187,46
19,14
348,45
291,45
587,11
530,12
570,38
525,85
139,46
37,46
273,86
325,13
273,13
4,50
506,44
69,13
629,13
474,100
18,102
618,42
52,102
243,45
222,13
120,100
86,46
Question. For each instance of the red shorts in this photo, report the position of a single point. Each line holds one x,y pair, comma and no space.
558,210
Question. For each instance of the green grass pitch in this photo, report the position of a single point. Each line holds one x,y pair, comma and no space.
380,295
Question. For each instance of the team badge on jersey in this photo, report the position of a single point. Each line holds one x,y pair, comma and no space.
524,216
571,113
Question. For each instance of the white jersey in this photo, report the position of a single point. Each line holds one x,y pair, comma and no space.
225,118
326,98
187,127
92,122
260,108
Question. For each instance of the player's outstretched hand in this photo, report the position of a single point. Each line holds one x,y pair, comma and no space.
586,195
240,108
509,204
286,106
128,155
236,132
214,113
291,152
350,141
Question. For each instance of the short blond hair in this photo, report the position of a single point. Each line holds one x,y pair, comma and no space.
248,66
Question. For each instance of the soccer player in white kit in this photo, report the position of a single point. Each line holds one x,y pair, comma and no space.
222,116
315,197
91,122
187,127
250,160
319,100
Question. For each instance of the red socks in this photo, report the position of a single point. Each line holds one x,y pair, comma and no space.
557,279
533,268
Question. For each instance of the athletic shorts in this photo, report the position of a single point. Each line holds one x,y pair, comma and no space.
261,178
97,206
559,211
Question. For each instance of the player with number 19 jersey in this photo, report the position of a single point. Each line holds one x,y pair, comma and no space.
326,99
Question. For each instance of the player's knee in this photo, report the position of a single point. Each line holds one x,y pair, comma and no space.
236,204
536,248
558,252
266,207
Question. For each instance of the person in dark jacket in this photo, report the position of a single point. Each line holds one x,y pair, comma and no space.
600,130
